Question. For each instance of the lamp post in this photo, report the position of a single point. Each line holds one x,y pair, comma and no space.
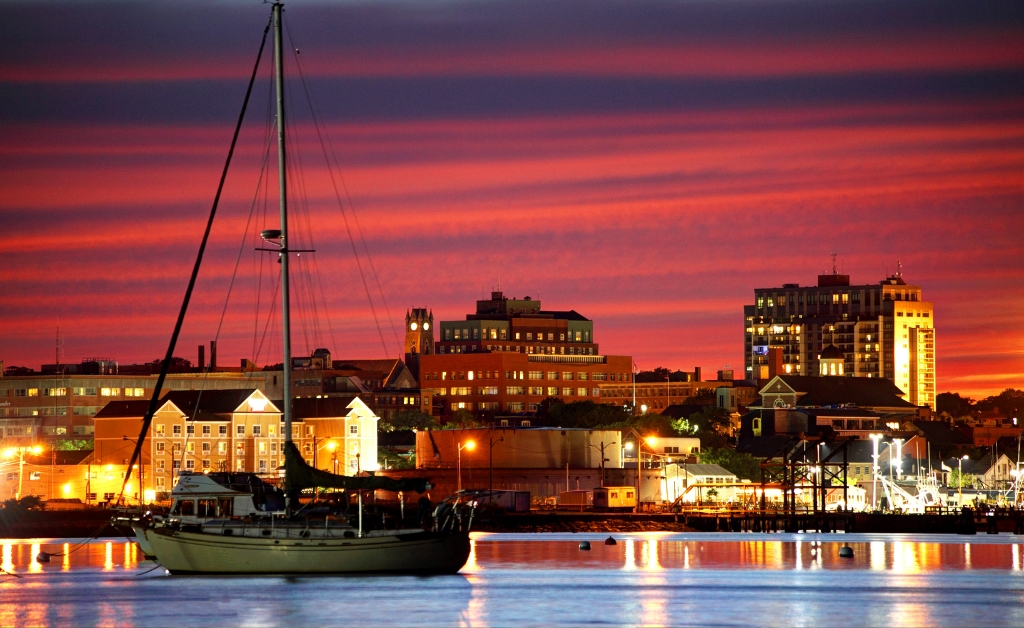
603,459
650,440
142,470
469,445
874,470
899,458
490,466
20,453
629,447
330,446
960,481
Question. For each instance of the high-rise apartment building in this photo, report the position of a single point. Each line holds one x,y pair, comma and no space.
882,330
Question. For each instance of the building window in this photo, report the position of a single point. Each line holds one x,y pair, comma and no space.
256,430
190,464
176,430
207,430
158,429
263,466
353,429
160,447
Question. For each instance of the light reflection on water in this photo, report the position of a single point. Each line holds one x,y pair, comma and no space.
543,579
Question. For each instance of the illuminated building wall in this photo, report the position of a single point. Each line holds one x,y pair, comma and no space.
884,330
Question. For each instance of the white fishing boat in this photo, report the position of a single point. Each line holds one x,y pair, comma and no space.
235,523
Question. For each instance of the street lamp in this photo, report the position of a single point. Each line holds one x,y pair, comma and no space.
603,459
142,470
490,467
899,458
469,445
650,440
11,452
330,446
874,470
960,481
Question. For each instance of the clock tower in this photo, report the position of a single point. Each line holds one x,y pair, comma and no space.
419,337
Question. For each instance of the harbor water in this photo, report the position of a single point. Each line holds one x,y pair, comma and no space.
545,579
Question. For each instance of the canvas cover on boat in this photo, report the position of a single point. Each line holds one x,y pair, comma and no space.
299,475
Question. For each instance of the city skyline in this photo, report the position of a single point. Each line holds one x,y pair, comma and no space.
649,166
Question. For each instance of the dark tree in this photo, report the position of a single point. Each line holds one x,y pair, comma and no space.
953,404
409,420
178,365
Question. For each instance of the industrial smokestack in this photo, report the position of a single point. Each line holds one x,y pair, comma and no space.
213,355
202,357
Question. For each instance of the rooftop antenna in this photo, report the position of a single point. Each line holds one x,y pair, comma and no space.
834,271
899,266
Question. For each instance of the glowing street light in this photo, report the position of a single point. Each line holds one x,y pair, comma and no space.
469,445
960,481
20,452
874,469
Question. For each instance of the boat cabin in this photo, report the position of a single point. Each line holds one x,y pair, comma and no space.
201,497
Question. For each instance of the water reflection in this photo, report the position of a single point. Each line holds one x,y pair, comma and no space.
656,579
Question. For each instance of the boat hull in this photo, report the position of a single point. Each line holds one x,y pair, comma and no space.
184,552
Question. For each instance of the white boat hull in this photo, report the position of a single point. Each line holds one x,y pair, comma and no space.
183,552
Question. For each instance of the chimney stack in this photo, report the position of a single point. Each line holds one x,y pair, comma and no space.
202,358
213,355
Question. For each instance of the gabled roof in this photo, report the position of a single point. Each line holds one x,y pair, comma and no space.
571,315
124,409
210,401
853,413
385,366
213,404
684,410
980,466
869,392
706,469
323,408
74,456
941,434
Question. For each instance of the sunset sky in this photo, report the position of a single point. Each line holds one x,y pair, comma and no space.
647,164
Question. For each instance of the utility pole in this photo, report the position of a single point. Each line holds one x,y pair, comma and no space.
490,470
603,459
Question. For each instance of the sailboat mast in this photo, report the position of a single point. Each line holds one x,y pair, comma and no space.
283,190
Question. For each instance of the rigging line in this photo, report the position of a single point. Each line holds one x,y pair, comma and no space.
323,297
314,108
337,195
355,220
261,183
303,267
312,269
308,314
298,303
266,327
258,255
154,400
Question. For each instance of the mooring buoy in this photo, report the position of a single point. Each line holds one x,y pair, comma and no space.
584,545
43,557
846,552
609,541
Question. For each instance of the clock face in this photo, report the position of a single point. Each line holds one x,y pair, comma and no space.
426,326
413,326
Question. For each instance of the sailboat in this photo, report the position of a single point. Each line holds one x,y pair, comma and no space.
234,523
